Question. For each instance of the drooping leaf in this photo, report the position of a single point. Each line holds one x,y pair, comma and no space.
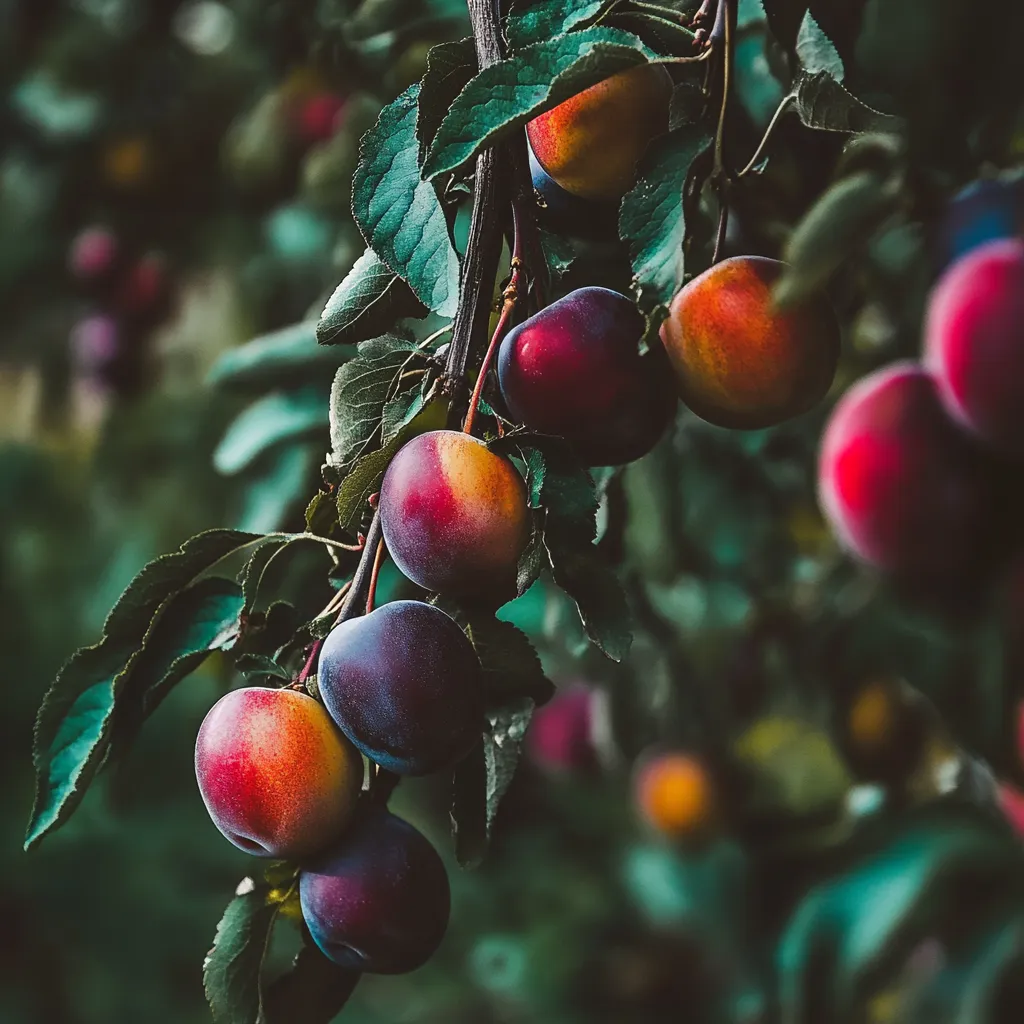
815,51
503,743
231,970
399,214
823,103
469,808
368,302
200,619
312,991
651,216
530,23
449,67
290,355
278,417
511,667
840,221
363,387
72,733
509,93
597,593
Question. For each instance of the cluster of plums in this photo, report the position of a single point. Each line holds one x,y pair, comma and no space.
912,460
131,295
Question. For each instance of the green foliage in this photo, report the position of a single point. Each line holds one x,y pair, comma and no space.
368,302
530,23
399,215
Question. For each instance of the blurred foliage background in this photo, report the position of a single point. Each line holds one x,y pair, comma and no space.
205,150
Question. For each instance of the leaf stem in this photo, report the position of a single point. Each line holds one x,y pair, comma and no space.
371,590
783,106
509,298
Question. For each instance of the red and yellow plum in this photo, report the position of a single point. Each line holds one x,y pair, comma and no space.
575,369
741,360
974,343
403,684
591,143
380,901
454,516
277,777
899,484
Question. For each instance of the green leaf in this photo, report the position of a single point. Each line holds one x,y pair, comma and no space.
559,253
364,477
854,931
231,970
312,991
667,36
200,619
362,389
815,51
837,225
823,103
72,732
651,217
449,67
503,744
597,593
369,301
511,668
288,356
530,23
469,808
252,572
399,214
278,417
509,93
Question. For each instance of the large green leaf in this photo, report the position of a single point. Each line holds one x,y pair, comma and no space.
368,302
651,217
509,93
400,215
73,727
511,667
530,23
503,744
273,360
784,19
449,67
815,51
850,934
269,421
231,970
198,620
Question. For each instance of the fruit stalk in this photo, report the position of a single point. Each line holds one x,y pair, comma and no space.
721,40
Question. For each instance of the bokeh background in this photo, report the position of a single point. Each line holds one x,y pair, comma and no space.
173,183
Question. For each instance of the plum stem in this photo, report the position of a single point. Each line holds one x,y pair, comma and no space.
784,105
371,590
509,298
364,572
721,41
484,247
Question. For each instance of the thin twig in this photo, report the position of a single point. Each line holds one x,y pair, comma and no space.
371,590
781,109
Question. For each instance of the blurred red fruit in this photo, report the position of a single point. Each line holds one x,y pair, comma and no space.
92,253
560,737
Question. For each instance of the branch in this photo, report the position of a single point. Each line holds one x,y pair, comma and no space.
484,249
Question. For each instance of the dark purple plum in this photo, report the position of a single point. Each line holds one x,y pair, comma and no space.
379,902
575,369
403,684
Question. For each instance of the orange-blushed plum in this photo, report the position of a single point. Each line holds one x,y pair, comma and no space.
380,900
454,516
404,685
675,795
575,369
742,361
276,775
902,488
590,144
974,343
